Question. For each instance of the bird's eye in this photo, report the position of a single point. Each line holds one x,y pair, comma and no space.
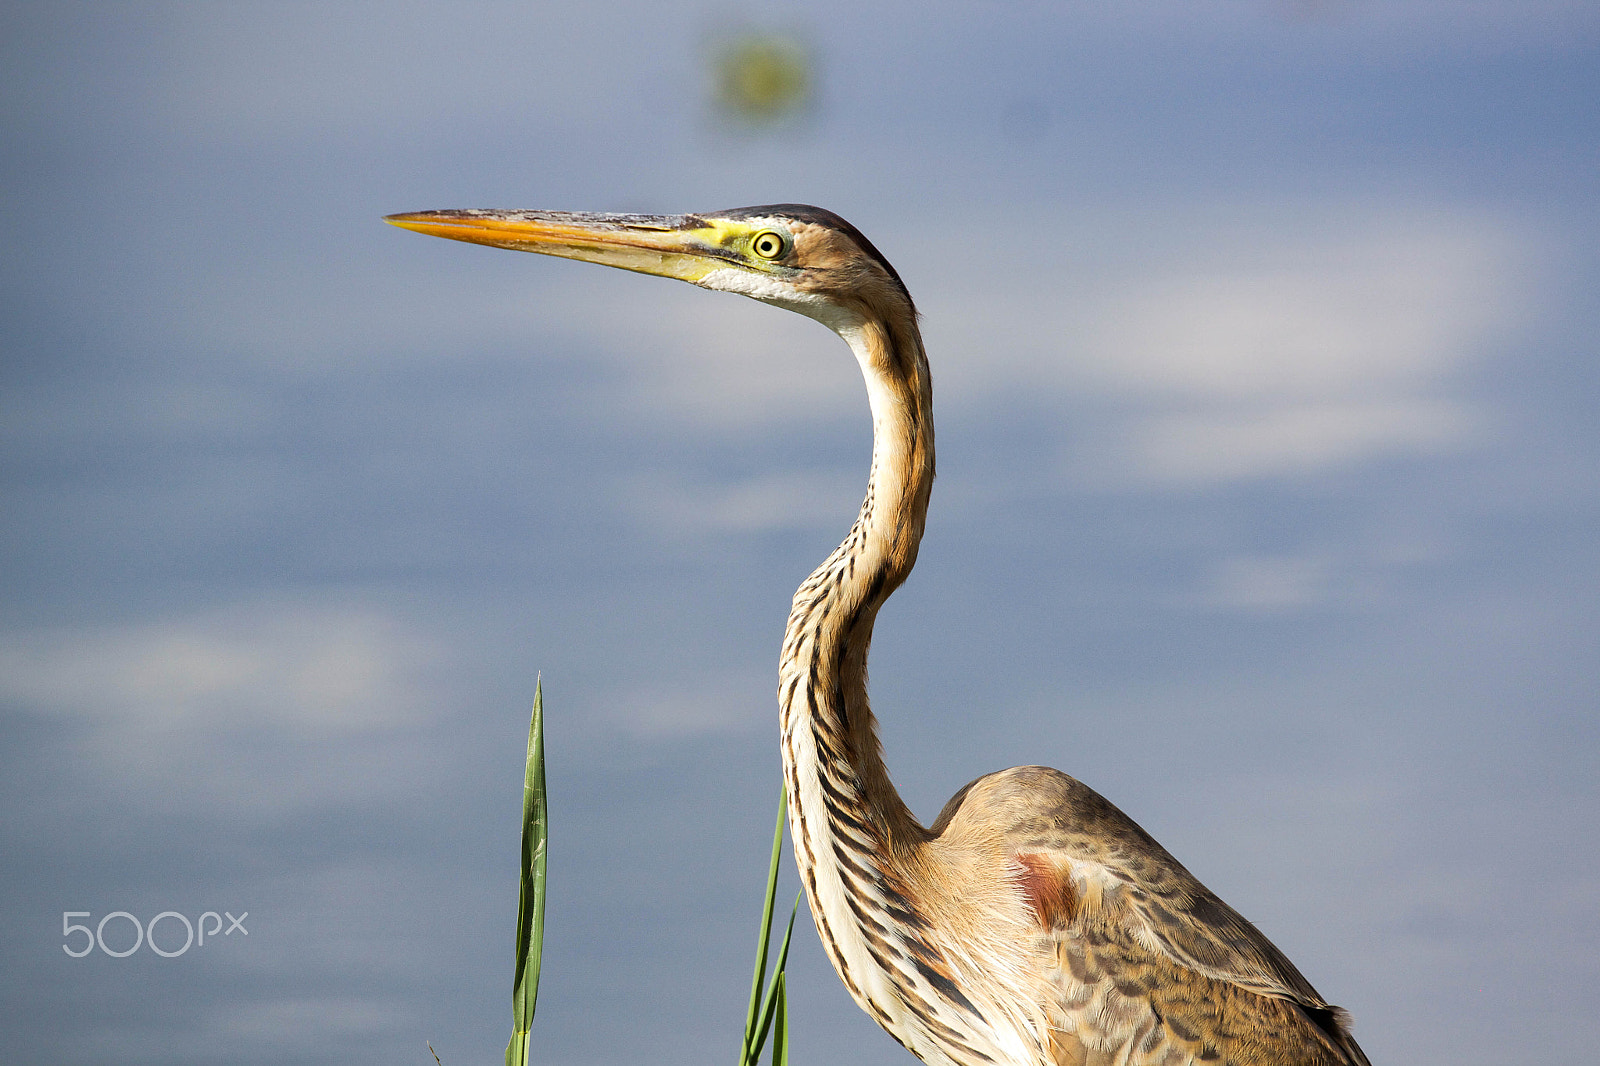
767,245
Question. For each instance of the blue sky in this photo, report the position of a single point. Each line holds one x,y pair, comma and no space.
1263,343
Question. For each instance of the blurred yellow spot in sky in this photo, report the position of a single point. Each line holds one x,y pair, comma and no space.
763,78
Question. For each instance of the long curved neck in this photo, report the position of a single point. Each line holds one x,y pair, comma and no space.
832,757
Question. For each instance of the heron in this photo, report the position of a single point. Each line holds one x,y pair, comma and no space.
1033,923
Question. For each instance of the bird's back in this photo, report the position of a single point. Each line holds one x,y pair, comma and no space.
1135,960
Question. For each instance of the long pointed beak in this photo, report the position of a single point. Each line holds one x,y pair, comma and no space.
673,246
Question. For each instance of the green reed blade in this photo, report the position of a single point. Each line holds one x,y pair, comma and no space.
768,1000
749,1049
780,1034
530,895
775,989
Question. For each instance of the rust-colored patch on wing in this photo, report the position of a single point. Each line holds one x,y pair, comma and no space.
1048,889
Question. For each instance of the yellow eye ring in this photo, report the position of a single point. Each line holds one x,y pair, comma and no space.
767,244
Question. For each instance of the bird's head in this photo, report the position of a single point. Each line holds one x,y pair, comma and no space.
803,258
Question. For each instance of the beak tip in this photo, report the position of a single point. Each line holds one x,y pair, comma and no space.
410,220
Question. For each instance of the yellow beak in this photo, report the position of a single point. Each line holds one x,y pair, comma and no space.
686,247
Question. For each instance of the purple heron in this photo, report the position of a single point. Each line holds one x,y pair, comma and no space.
1033,923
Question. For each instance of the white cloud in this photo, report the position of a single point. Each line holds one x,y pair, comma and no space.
1225,443
256,706
1271,583
1365,570
1390,305
303,669
1277,344
719,704
796,500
